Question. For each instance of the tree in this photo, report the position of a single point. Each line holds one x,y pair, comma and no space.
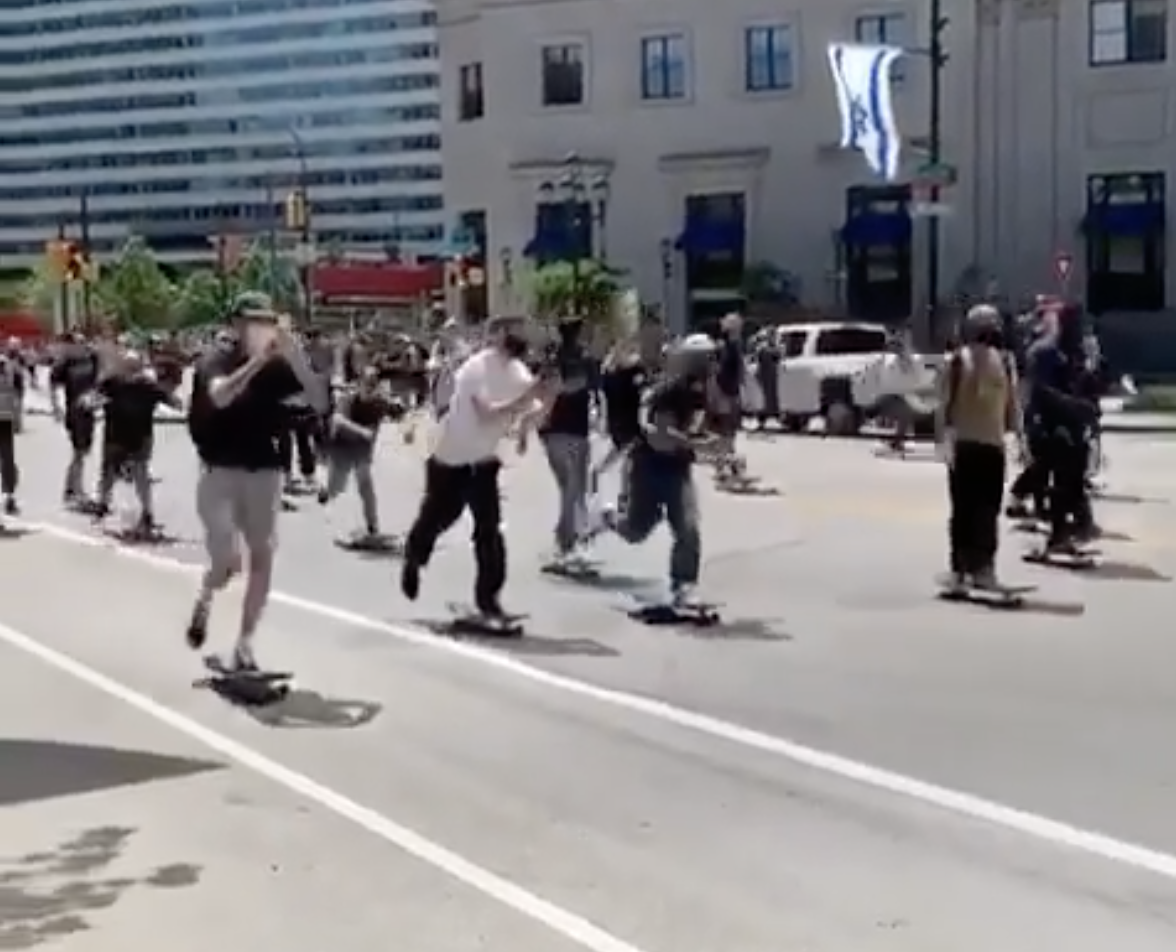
586,287
263,268
41,293
201,299
134,290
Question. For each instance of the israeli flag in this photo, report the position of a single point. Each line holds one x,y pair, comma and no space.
861,75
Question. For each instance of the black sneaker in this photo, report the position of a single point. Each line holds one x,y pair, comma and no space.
410,580
197,633
10,507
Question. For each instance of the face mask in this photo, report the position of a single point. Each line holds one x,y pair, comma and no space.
514,344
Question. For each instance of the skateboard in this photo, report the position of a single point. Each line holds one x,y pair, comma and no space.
575,570
1076,559
467,620
253,688
698,614
138,535
378,544
1006,596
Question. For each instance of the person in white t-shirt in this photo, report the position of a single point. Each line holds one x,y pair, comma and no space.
493,391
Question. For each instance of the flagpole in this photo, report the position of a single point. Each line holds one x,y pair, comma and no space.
938,59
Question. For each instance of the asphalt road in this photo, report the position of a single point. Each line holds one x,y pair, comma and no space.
852,767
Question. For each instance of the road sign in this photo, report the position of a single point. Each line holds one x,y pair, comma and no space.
1063,266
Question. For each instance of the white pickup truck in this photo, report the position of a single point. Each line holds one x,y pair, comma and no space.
846,374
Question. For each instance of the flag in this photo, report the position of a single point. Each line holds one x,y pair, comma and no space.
861,75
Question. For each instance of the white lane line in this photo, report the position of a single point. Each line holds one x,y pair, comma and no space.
511,895
1033,825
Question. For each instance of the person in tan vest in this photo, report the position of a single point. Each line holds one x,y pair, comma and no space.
979,405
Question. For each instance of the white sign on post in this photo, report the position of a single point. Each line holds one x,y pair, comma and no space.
1063,267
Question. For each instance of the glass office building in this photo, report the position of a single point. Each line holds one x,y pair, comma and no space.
180,121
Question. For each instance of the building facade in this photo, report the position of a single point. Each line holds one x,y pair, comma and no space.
705,137
181,121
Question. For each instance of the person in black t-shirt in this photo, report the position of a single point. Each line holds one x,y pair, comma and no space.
565,433
235,417
660,476
74,376
129,396
353,431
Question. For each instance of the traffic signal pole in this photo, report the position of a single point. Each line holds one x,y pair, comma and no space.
87,291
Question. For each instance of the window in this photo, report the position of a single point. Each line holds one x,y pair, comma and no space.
1125,247
792,343
851,340
471,100
663,67
768,60
563,75
1128,31
883,29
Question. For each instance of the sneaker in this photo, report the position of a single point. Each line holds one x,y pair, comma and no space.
986,581
242,658
197,633
10,507
410,580
683,595
601,520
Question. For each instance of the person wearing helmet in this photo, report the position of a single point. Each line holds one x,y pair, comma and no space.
978,405
236,416
660,481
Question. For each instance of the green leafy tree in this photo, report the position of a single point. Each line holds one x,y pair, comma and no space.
134,290
41,293
201,299
263,268
586,287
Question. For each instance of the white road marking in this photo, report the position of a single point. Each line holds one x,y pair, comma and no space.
509,894
1033,825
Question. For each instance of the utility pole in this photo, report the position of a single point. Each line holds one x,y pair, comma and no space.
939,58
87,258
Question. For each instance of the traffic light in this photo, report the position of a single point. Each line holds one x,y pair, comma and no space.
295,211
75,263
67,260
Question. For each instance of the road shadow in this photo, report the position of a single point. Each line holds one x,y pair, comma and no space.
1026,527
10,533
42,770
527,645
726,629
1115,570
50,895
302,710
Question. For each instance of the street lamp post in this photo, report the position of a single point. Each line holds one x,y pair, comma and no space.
584,198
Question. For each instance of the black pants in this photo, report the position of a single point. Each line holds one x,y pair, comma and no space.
1066,456
299,436
449,491
9,474
976,487
1033,481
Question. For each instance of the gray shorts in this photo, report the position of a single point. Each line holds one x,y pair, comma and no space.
238,504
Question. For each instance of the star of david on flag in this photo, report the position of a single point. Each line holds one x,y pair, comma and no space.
861,76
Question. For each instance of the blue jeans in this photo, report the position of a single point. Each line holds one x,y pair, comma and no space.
664,489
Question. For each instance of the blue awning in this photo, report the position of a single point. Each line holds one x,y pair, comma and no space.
1126,218
701,237
869,230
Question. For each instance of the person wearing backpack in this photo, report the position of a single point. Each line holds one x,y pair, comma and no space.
979,405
